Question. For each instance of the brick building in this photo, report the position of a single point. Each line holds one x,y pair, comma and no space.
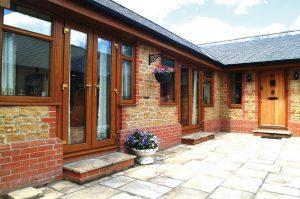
73,90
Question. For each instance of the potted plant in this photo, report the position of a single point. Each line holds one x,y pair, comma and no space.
163,74
144,144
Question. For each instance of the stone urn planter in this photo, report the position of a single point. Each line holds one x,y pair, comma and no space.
144,145
144,156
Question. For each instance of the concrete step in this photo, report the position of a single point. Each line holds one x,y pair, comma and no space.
92,168
272,133
26,193
197,138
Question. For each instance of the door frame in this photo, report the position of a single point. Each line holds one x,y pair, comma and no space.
285,87
66,75
113,94
91,144
191,128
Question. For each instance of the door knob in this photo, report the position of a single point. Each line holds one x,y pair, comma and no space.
96,89
116,91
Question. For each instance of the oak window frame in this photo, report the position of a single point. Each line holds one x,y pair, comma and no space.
229,97
176,83
32,100
121,58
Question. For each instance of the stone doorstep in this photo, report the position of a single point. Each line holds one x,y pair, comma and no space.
272,133
197,138
92,168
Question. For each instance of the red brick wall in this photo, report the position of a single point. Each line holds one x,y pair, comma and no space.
38,157
30,163
169,135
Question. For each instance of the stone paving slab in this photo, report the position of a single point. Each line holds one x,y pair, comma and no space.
93,192
26,193
232,166
185,193
145,189
227,193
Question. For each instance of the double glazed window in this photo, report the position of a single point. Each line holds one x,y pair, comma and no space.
127,73
235,89
167,90
26,49
208,88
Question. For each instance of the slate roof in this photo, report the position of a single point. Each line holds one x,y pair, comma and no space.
138,21
264,48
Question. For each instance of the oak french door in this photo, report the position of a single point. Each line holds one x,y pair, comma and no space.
88,82
191,98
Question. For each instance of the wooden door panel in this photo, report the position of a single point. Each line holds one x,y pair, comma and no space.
273,98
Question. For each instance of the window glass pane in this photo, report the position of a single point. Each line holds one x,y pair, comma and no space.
167,90
25,66
208,74
195,108
236,88
126,80
104,77
168,62
207,92
127,50
77,95
184,96
27,19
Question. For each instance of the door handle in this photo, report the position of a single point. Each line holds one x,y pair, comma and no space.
64,87
116,91
96,89
88,86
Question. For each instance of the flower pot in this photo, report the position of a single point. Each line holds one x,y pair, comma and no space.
144,156
163,77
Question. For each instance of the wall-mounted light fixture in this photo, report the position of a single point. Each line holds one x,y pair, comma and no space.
249,77
296,75
153,57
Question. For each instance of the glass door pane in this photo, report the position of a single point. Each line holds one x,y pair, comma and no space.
184,96
195,98
104,85
77,91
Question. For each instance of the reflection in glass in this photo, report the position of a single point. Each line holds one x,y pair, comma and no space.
27,19
207,92
127,50
77,93
25,66
184,96
236,88
126,80
104,77
195,110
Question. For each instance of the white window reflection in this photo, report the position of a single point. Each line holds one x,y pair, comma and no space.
40,24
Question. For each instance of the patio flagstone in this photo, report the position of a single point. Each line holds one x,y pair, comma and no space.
93,192
169,182
185,193
243,183
210,170
203,183
227,193
146,189
117,181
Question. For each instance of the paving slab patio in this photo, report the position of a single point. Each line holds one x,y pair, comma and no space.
234,166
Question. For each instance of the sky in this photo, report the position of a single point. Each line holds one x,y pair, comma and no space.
204,21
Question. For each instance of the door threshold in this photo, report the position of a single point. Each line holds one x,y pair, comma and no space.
272,127
111,148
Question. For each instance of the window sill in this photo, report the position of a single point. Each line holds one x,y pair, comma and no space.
168,104
237,106
208,105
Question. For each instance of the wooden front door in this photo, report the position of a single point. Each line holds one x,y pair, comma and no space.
89,78
273,99
190,98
